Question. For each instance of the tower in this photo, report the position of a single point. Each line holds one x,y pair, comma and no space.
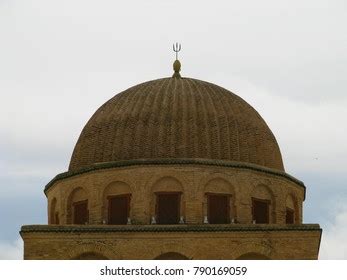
183,167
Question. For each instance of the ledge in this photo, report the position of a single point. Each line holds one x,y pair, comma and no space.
165,228
208,162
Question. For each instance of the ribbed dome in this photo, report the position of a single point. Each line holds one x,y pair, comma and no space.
176,118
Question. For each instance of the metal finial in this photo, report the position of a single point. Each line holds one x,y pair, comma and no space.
177,64
176,48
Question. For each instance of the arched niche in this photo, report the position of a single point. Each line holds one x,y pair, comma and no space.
292,209
219,191
253,256
261,195
91,250
171,256
262,192
254,250
113,190
219,185
78,195
90,256
167,186
54,213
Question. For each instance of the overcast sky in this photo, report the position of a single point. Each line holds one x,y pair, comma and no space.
60,60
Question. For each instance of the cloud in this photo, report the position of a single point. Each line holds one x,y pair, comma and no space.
11,250
59,63
62,63
311,135
334,238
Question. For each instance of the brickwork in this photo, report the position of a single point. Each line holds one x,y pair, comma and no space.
193,181
270,244
174,135
176,118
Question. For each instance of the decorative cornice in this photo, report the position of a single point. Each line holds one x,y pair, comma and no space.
166,228
208,162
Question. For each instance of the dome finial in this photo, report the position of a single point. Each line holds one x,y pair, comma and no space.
177,64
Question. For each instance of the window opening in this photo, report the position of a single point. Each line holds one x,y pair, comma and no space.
289,216
118,211
218,208
261,211
168,208
81,212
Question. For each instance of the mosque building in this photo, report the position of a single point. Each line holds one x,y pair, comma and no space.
174,168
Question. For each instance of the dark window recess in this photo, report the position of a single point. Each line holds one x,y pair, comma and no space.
118,211
56,218
168,208
289,216
80,212
261,211
218,209
53,217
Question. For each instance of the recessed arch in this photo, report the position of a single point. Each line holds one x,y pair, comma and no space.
209,178
262,192
53,212
167,184
254,250
90,256
292,206
219,185
77,196
217,189
167,192
218,201
263,200
253,256
171,256
92,249
117,187
112,190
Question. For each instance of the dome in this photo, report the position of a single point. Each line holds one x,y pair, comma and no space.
176,118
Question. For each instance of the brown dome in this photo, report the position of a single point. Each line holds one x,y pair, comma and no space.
179,118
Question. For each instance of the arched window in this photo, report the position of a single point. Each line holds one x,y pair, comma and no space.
78,212
116,203
263,205
291,210
54,214
218,207
167,201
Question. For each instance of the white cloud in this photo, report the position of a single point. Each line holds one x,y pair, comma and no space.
11,250
334,238
311,136
59,63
